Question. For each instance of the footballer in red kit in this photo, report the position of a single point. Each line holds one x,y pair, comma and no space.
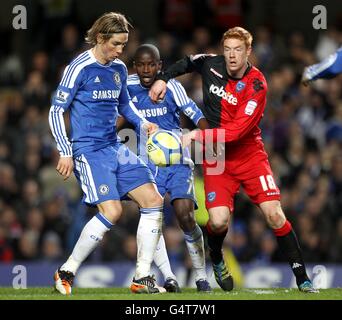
242,105
234,96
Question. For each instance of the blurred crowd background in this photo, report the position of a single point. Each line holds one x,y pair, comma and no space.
41,215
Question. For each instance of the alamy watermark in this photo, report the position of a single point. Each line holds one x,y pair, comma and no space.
320,20
320,277
196,153
19,21
20,278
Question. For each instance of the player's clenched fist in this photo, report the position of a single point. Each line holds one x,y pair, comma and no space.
65,167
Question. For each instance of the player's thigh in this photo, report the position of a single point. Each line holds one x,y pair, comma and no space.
220,190
95,172
135,179
147,196
261,187
180,184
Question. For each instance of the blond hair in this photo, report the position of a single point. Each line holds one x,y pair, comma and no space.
108,24
238,33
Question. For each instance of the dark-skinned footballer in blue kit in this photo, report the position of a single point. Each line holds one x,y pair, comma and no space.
178,179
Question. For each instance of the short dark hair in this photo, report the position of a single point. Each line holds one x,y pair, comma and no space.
147,48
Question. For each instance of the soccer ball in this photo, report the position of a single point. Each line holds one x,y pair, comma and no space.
164,148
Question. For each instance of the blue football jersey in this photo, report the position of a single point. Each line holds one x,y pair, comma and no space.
166,113
94,94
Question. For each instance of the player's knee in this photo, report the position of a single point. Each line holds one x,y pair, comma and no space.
152,200
184,209
186,221
219,218
113,214
275,217
219,224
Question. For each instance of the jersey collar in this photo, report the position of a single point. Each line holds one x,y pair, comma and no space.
249,67
90,52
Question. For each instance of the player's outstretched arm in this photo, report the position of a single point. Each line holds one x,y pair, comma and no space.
183,66
203,124
328,68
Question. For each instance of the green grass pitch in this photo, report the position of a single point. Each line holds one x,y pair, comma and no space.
187,294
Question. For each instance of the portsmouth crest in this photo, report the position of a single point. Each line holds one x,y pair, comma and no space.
211,196
116,78
240,86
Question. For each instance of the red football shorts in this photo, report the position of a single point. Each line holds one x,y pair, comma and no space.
253,173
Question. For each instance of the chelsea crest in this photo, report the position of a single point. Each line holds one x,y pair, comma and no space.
116,78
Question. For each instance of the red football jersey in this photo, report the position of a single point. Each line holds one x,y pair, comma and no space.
236,105
243,104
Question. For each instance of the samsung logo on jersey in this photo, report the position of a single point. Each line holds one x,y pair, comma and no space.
155,112
106,94
223,94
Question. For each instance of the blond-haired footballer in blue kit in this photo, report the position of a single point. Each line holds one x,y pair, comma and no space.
93,89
